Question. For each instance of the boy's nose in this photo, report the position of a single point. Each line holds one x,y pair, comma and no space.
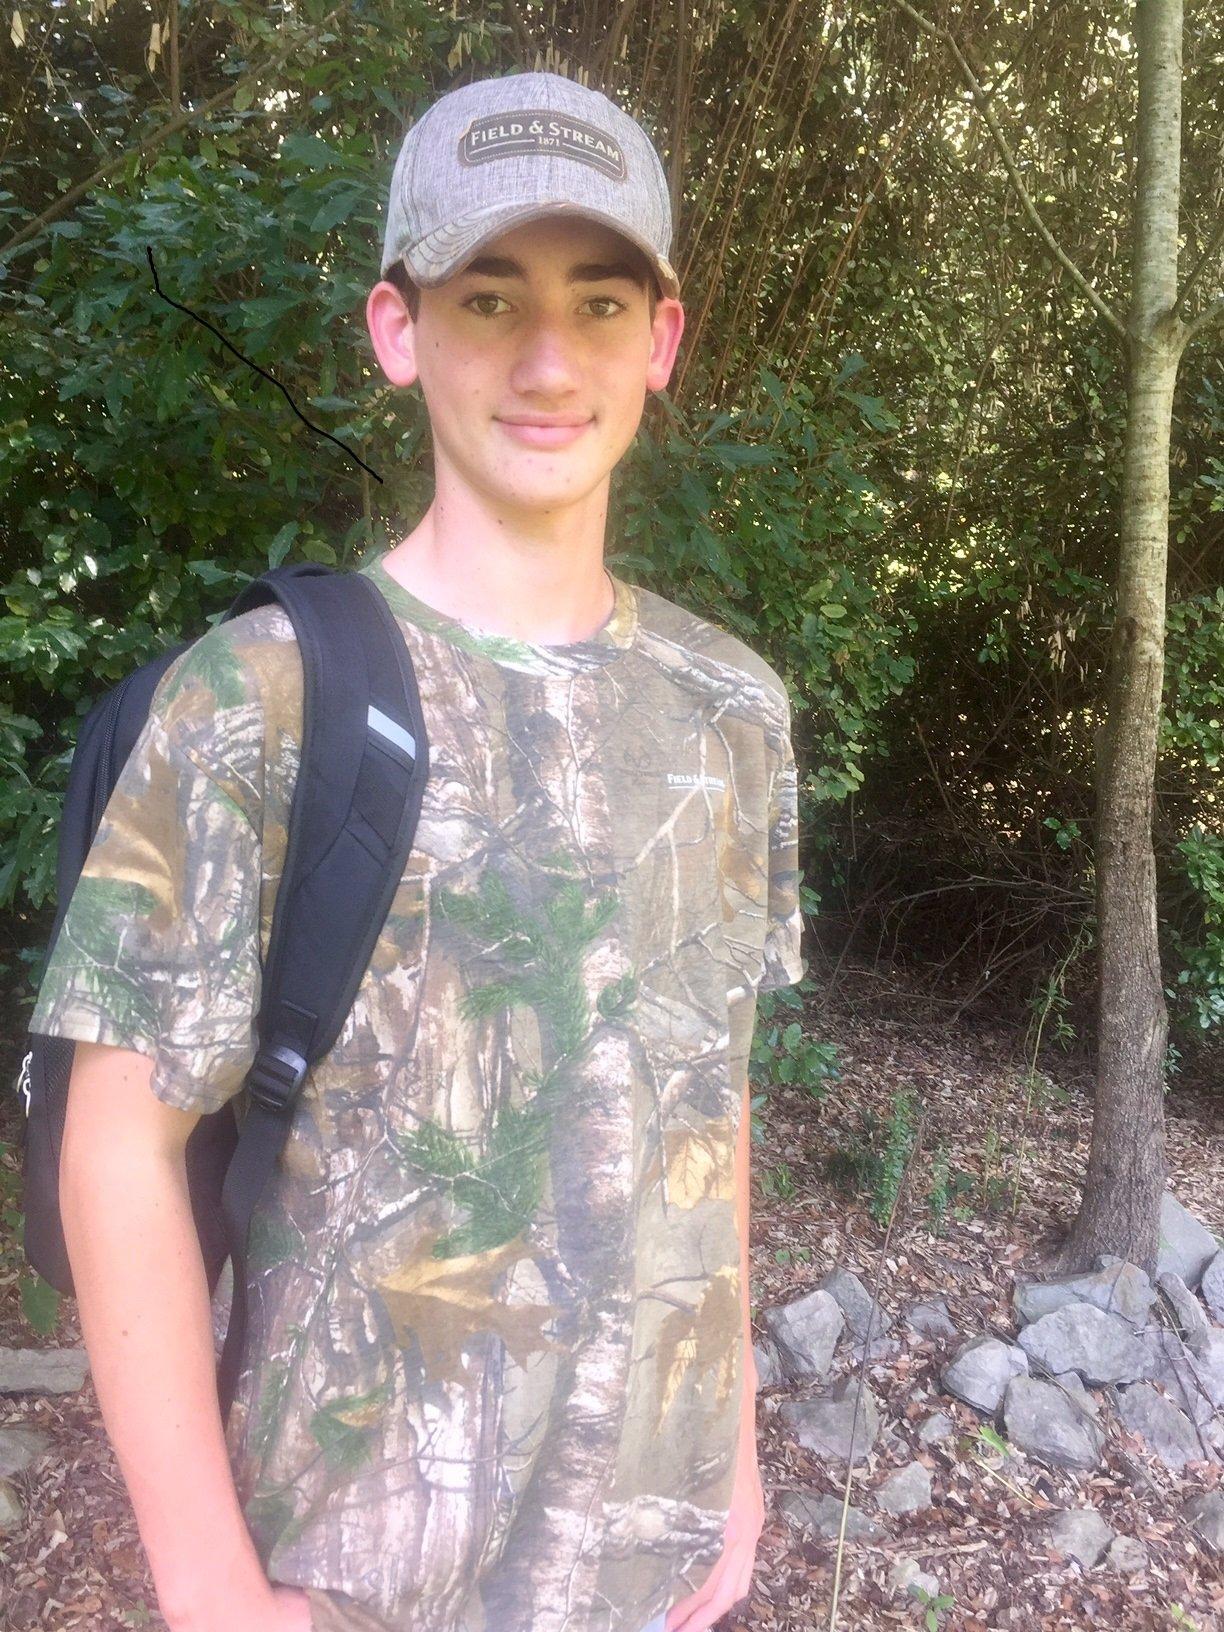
546,362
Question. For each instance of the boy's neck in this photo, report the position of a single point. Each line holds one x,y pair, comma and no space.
535,576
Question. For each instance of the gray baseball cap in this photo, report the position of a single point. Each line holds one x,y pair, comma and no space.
497,152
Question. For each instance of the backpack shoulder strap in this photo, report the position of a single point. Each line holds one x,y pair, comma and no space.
363,768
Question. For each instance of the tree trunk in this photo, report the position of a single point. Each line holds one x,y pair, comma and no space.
1120,1210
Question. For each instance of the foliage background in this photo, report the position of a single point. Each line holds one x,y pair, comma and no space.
890,458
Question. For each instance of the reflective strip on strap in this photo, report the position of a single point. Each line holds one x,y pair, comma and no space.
384,726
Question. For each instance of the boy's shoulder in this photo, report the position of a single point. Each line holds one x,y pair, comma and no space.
260,637
231,702
235,665
716,654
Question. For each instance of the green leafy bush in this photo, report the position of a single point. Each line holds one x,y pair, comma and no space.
782,1053
1198,990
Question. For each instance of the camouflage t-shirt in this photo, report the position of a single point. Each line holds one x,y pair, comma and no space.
494,1368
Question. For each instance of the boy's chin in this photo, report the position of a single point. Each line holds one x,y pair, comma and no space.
543,497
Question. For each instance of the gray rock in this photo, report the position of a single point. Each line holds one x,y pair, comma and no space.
1209,1364
937,1428
1161,1349
931,1318
1188,1312
980,1371
1073,1384
805,1332
768,1371
1186,1248
881,1349
1044,1422
1080,1337
1080,1533
831,1426
823,1515
856,1303
43,1371
1117,1288
907,1578
1178,1372
1165,1430
1212,1287
1127,1554
10,1507
906,1491
1205,1515
19,1447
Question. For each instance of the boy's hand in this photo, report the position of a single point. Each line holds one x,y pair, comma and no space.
277,1609
292,1611
731,1577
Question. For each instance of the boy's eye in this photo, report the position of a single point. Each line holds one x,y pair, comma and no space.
484,304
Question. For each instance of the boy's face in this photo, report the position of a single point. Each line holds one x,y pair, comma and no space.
534,360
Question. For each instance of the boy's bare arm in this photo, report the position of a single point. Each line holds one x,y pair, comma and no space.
142,1295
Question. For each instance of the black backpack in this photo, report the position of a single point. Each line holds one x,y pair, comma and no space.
363,766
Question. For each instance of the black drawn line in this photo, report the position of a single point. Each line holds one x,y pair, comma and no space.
179,307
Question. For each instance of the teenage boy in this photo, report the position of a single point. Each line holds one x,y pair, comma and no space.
499,1372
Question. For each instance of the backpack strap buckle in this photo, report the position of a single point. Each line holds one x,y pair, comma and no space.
275,1077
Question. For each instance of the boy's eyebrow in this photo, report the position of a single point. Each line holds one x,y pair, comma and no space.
501,266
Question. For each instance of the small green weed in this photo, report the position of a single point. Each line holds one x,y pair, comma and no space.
876,1156
779,1182
898,1147
791,1255
993,1195
944,1190
854,1165
934,1604
1049,1006
1042,1092
1172,1064
994,1440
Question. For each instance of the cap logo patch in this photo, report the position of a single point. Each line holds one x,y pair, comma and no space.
536,130
694,779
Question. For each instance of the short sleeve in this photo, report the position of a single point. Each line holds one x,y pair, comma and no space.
782,963
159,949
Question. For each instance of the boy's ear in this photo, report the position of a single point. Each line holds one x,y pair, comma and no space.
666,328
393,333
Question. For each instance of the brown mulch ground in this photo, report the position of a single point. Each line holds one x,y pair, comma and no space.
77,1561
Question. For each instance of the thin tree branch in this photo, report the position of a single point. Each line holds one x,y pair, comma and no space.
1030,209
675,164
176,84
526,45
1212,314
609,49
1217,238
156,137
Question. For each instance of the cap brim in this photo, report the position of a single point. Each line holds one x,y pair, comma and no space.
443,252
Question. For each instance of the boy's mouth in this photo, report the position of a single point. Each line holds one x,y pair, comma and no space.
544,431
